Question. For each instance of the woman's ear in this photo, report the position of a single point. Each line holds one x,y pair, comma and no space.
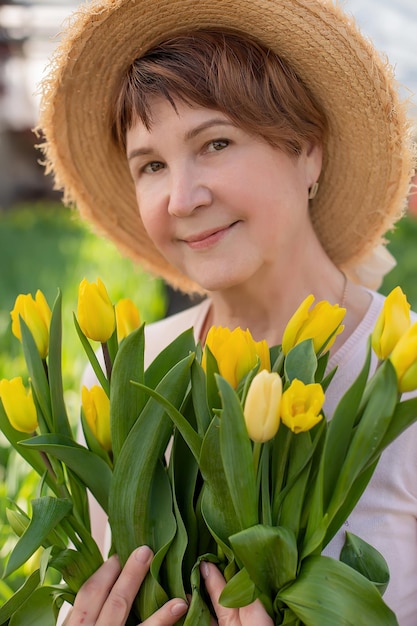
314,162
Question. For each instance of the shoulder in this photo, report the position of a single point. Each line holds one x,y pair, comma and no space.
159,334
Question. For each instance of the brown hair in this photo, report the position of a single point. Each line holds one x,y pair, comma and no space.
229,72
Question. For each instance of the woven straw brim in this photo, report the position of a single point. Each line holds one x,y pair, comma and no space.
368,158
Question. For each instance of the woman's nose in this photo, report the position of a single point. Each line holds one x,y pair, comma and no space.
186,194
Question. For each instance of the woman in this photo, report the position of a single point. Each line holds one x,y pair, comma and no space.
254,151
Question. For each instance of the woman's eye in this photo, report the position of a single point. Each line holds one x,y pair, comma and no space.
218,144
152,167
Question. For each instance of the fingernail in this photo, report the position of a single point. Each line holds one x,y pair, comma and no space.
179,608
204,568
143,554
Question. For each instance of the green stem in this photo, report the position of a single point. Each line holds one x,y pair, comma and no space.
265,485
107,360
81,538
279,477
257,448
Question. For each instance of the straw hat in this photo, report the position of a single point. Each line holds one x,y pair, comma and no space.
368,157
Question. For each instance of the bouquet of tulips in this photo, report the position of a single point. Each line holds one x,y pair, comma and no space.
256,479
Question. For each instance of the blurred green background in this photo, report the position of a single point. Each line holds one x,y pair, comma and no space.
45,246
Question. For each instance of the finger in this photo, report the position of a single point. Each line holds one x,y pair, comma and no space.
93,594
215,584
122,594
255,614
168,614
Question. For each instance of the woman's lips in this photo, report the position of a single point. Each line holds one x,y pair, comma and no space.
208,238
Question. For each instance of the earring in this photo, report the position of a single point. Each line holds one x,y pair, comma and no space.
312,192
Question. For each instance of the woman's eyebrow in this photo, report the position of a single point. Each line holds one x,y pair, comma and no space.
138,152
190,134
215,121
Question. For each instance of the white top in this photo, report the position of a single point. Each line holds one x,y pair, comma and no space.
386,515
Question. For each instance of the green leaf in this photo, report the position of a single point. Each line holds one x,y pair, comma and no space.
368,434
277,359
198,612
160,532
337,521
338,437
47,512
298,471
199,397
151,597
184,474
19,521
91,355
339,431
322,362
269,554
143,449
290,619
239,591
236,452
366,560
59,412
19,597
93,471
73,566
38,610
212,391
221,520
330,593
176,351
187,432
126,400
301,362
405,414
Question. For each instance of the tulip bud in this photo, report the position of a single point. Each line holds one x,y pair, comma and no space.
262,406
96,315
404,359
127,318
37,316
301,405
96,407
392,323
236,352
19,405
323,321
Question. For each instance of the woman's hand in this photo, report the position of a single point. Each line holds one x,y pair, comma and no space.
106,598
247,616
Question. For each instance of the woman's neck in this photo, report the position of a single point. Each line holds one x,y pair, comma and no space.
266,307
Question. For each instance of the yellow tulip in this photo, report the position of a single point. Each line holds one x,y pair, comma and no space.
19,405
37,315
404,359
236,352
262,406
301,406
127,318
318,324
96,315
96,407
392,323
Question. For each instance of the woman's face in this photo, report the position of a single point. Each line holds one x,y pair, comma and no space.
220,204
